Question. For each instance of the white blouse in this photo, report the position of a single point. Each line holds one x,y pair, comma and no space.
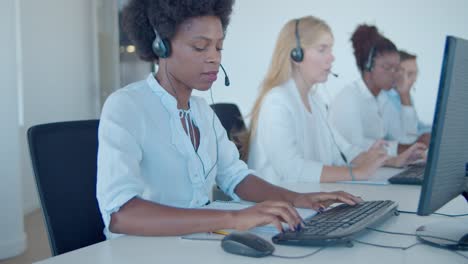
292,144
144,152
363,118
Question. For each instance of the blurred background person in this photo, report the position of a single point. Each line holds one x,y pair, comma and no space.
290,137
363,114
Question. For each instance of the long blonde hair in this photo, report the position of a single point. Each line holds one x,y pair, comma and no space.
309,29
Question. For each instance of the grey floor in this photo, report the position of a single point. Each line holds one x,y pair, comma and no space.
38,244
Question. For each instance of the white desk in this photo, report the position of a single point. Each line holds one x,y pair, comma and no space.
143,250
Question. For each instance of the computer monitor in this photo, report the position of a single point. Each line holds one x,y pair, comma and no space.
446,172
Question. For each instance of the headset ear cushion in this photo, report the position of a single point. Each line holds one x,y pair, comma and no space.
162,48
370,60
297,55
368,66
167,45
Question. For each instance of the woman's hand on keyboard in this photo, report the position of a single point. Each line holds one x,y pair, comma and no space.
411,154
367,162
264,213
322,200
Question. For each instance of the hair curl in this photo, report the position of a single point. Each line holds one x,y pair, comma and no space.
366,37
141,17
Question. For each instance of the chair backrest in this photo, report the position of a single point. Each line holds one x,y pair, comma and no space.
230,117
64,159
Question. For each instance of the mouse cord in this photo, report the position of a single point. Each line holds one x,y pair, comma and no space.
298,257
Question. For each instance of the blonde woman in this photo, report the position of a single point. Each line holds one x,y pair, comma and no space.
290,138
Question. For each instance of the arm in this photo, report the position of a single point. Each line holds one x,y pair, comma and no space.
405,98
256,189
364,163
120,185
409,124
410,154
408,117
335,173
403,87
145,218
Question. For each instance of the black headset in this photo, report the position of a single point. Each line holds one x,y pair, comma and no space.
297,54
370,60
161,47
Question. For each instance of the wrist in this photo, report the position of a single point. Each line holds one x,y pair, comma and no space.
405,98
294,198
356,173
230,218
391,162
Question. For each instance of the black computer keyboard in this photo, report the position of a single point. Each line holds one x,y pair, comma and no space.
414,174
338,224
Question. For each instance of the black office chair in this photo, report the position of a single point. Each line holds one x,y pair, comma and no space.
64,159
231,118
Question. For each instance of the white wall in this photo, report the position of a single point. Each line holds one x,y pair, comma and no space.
12,236
419,26
59,79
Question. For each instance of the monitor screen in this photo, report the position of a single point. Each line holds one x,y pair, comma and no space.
447,163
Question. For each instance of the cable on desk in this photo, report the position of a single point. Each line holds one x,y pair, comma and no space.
410,234
299,257
385,246
405,248
448,215
463,255
390,232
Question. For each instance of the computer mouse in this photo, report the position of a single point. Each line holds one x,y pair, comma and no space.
247,244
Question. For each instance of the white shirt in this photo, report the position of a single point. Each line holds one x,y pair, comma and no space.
292,144
363,118
144,152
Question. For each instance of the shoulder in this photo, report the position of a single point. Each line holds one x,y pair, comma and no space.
279,96
127,99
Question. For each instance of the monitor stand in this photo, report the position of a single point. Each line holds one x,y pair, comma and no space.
451,234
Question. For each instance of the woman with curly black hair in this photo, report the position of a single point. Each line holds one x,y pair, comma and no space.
162,149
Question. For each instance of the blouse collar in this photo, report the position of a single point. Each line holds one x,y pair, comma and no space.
167,99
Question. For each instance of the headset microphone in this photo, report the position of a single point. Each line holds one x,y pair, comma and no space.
334,74
226,78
